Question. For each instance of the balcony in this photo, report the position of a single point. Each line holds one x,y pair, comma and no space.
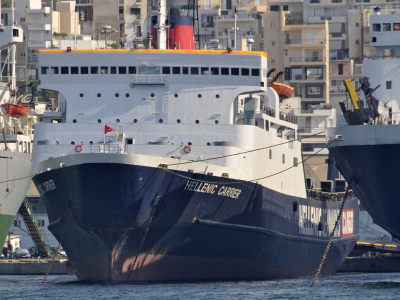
79,2
45,10
307,59
337,36
39,44
305,41
39,26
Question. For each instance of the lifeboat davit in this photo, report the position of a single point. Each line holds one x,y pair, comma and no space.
14,110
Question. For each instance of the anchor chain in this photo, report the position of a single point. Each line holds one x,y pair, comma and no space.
155,209
331,237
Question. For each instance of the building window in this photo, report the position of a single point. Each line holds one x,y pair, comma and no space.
273,61
396,26
273,43
357,42
386,26
135,11
41,223
283,158
17,223
270,154
376,27
357,24
272,24
388,85
340,69
374,39
22,54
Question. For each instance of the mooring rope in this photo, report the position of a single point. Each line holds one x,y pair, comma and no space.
331,237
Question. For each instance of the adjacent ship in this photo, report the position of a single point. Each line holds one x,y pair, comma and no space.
15,141
366,150
174,165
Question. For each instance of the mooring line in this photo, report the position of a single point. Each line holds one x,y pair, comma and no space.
331,237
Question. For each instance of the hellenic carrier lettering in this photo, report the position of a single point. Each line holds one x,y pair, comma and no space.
209,188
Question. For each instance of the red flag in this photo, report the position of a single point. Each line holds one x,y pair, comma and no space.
107,129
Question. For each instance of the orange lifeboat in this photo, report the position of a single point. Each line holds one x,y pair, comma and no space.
14,110
283,90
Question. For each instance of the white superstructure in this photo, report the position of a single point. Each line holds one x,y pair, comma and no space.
158,102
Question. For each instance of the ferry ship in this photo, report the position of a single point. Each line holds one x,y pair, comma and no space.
15,141
177,165
366,149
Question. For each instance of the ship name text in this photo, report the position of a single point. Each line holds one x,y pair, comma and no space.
210,188
46,186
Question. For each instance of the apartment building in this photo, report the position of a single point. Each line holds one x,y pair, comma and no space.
302,52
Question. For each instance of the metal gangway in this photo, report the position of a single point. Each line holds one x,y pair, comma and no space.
38,237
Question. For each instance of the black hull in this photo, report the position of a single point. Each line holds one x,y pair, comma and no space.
374,171
125,223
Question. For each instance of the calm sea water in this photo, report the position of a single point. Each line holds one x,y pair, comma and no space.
339,286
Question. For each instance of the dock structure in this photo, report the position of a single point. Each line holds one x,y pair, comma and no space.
34,267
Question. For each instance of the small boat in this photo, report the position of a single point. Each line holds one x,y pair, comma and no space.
14,110
283,90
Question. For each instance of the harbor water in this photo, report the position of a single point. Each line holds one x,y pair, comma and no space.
339,286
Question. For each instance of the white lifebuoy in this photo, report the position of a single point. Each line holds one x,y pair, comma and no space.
187,149
78,148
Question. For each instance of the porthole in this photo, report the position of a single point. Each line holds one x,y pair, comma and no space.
178,121
160,121
91,142
134,120
74,120
197,121
152,95
81,95
199,96
98,120
190,143
208,144
116,95
217,96
216,121
73,143
176,95
117,120
99,95
127,95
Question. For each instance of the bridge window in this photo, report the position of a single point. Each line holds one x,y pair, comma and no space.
255,72
103,70
64,70
245,72
194,70
132,70
74,70
166,70
122,70
224,71
176,70
84,70
235,71
214,71
205,71
94,70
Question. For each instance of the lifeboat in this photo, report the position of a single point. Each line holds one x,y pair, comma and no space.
283,90
14,110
